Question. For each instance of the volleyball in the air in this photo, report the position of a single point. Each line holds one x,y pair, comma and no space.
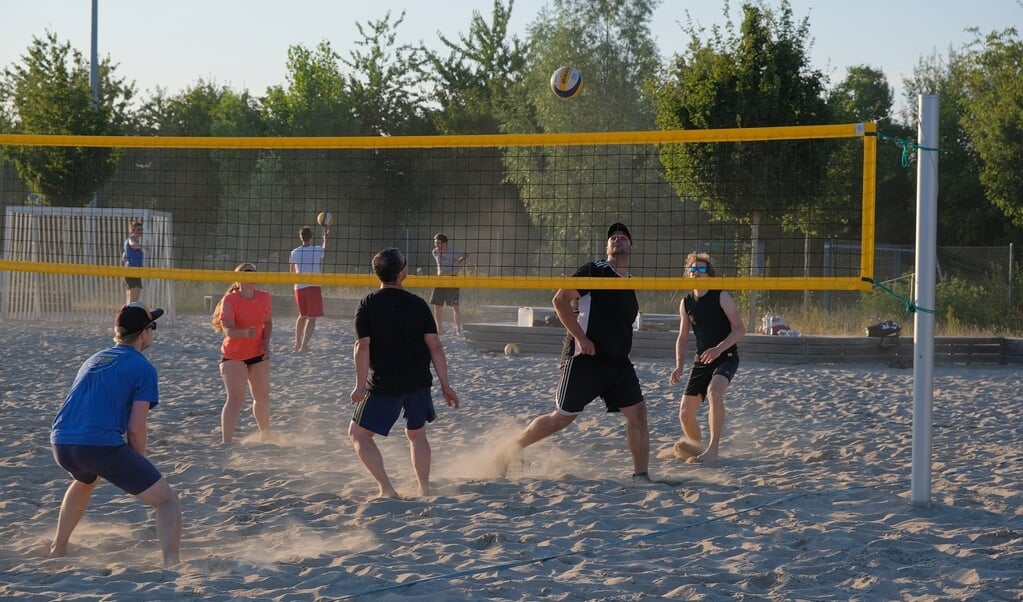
511,349
566,82
325,219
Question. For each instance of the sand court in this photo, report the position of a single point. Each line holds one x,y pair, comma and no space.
810,499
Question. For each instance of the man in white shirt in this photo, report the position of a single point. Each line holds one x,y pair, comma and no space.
307,259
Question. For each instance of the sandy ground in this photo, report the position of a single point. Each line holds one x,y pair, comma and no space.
810,500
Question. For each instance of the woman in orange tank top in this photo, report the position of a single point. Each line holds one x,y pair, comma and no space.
243,315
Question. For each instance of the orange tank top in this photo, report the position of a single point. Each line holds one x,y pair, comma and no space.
246,313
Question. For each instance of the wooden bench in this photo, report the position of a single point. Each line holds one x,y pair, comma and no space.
969,350
659,322
546,316
1013,350
491,338
521,316
894,351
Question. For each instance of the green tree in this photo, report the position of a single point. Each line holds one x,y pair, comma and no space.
865,95
568,191
993,99
472,83
315,101
50,93
203,109
759,76
965,216
385,82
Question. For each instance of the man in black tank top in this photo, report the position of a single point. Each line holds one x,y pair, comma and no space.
717,325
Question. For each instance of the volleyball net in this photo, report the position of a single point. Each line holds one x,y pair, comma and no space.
786,208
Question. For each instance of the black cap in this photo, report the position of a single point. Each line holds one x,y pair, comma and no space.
134,318
618,227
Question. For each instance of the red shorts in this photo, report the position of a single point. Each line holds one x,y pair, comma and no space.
310,302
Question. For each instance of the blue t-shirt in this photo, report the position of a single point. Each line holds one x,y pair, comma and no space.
132,257
96,409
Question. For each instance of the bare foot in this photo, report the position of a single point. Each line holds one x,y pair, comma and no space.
507,454
686,448
388,495
705,458
642,477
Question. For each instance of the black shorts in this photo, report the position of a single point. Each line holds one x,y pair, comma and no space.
699,378
133,282
587,377
119,464
445,296
252,361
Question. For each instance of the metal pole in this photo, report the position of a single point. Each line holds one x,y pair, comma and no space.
923,332
94,66
1010,275
94,75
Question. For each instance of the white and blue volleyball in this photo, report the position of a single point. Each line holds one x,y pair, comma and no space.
566,82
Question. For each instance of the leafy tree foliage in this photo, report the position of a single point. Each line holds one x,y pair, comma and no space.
204,109
384,82
50,93
472,83
569,191
965,217
315,101
758,76
865,95
993,99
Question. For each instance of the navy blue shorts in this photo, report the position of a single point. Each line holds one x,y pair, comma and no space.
587,377
378,413
699,379
118,464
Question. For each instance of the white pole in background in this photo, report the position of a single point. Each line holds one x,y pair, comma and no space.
923,321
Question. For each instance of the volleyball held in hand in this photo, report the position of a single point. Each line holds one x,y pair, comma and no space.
566,82
325,219
511,349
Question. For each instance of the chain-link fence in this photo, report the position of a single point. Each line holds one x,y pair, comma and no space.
894,263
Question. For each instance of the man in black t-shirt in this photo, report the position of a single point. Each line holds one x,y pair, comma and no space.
396,340
595,358
717,326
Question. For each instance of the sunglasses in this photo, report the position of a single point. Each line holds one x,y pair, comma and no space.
152,326
702,269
